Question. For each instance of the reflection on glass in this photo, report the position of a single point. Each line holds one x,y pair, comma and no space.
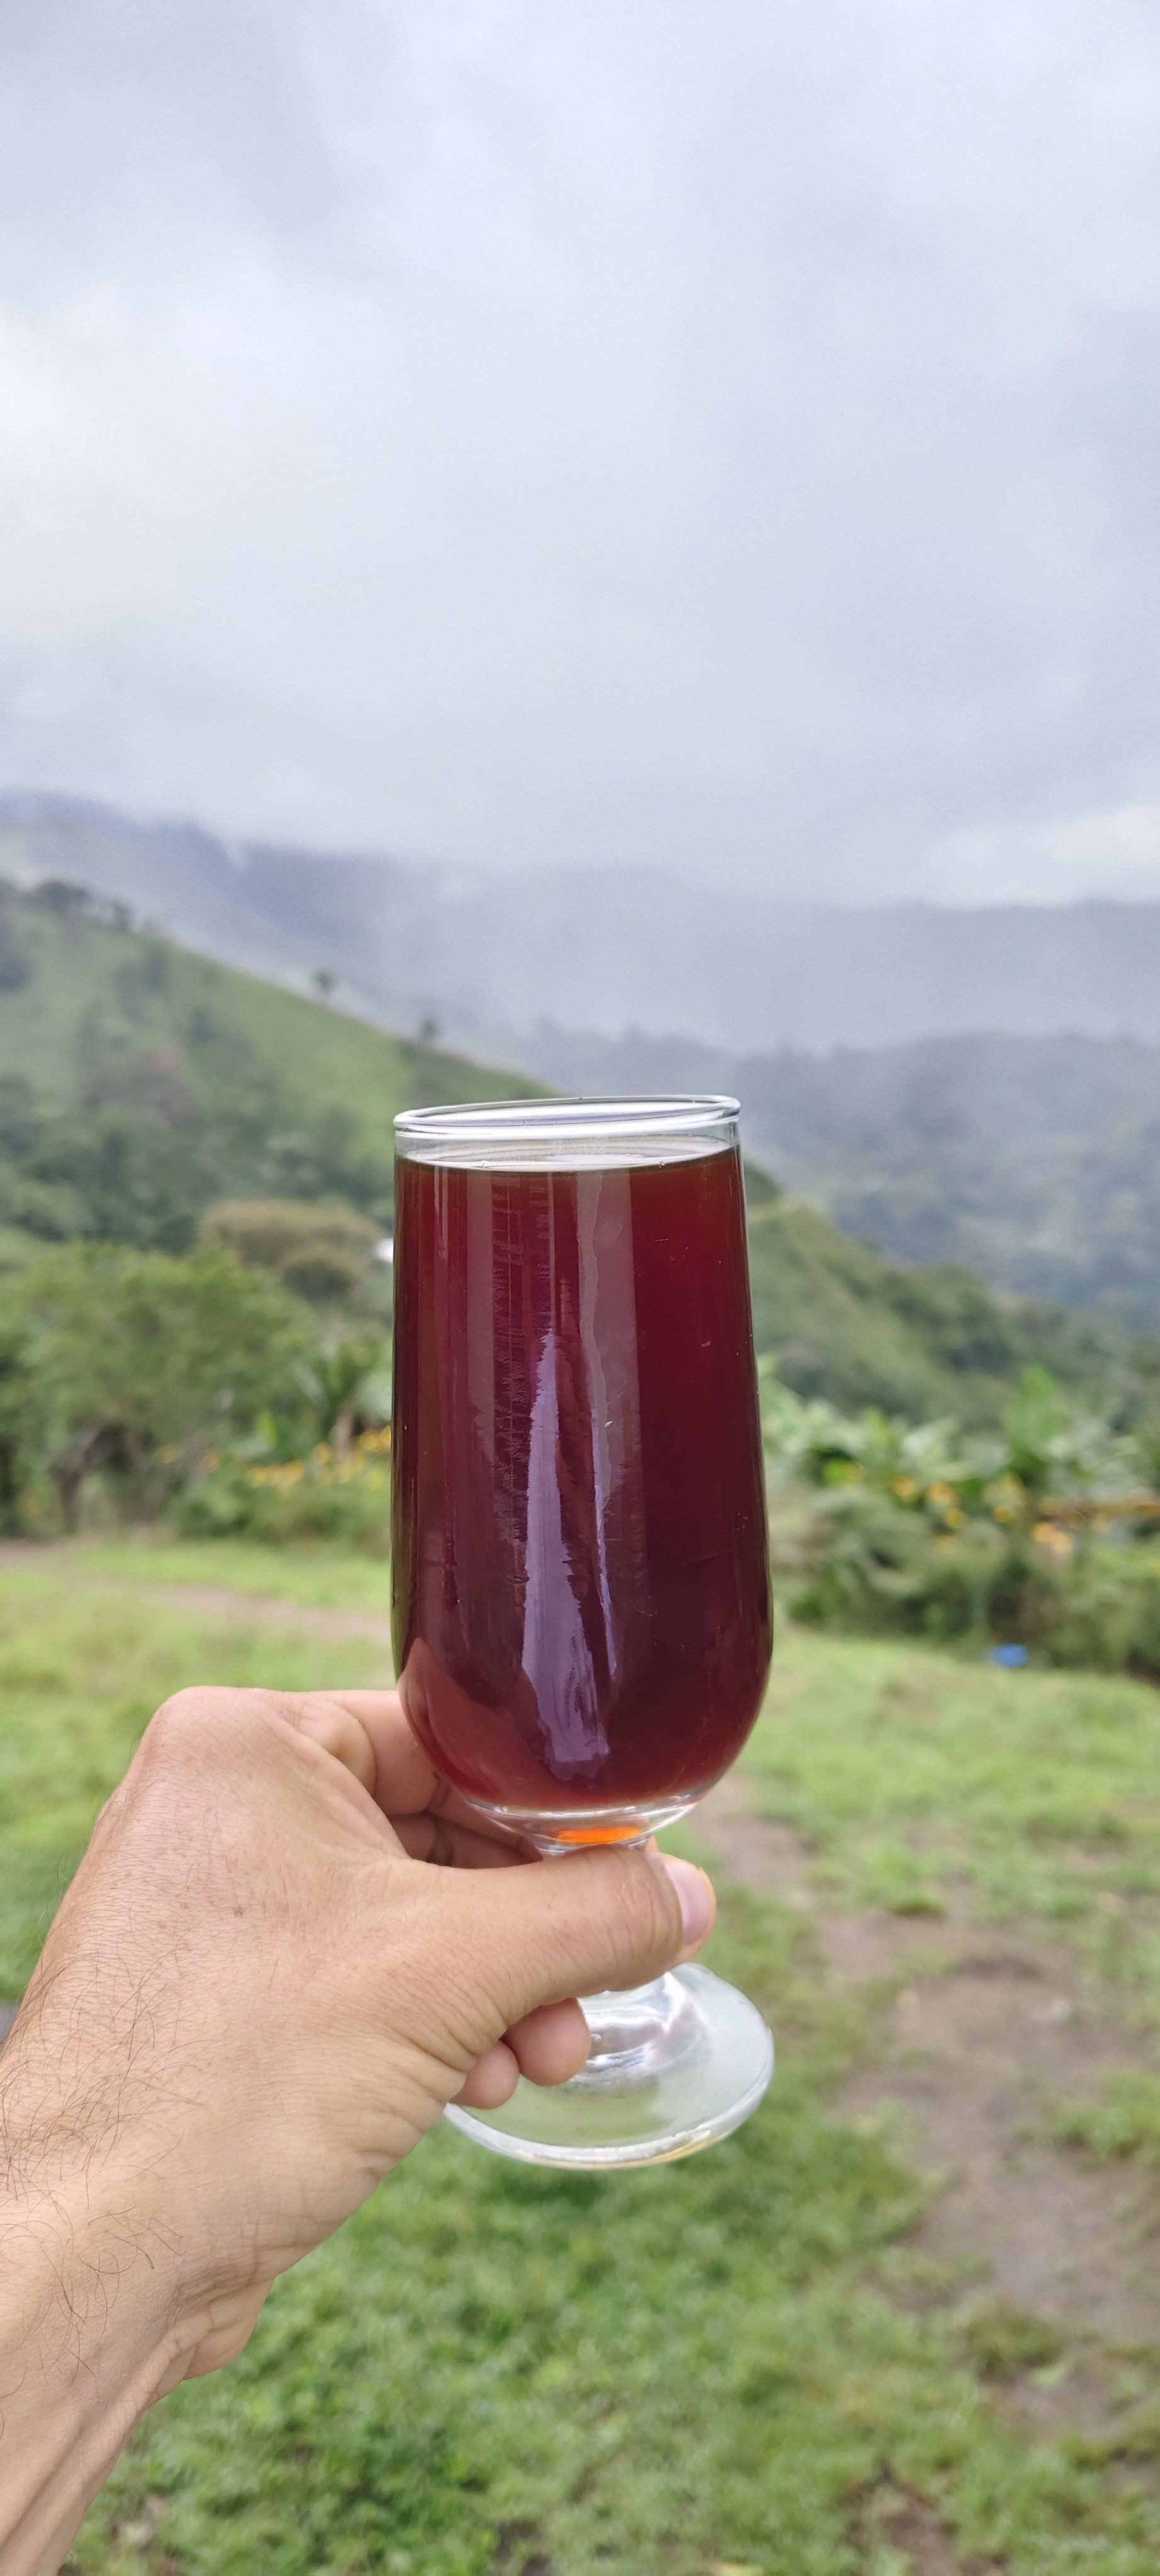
580,1524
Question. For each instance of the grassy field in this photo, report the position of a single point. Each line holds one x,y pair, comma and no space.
752,2364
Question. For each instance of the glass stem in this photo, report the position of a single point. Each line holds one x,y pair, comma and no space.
635,2024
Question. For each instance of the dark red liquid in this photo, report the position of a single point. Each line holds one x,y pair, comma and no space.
581,1580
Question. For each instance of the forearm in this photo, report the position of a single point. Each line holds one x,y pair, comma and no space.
87,2341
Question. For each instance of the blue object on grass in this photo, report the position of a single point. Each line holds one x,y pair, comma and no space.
1013,1657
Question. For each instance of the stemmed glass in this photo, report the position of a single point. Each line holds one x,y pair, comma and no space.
581,1605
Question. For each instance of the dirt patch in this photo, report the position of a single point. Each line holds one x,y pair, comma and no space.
269,1610
262,1609
874,1948
898,2518
976,2034
219,1599
140,2531
514,2540
973,2060
754,1848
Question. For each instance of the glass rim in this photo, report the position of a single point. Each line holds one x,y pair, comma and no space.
651,1125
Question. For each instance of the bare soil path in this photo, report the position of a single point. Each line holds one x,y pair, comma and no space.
261,1608
975,2034
219,1600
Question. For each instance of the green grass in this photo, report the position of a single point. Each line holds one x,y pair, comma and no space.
905,1769
315,1574
721,2363
1123,2121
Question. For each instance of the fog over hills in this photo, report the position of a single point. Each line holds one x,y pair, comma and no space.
1033,1161
976,1088
605,950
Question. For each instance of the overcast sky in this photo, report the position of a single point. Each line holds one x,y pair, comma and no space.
721,434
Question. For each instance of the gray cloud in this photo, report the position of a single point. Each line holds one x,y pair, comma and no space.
716,436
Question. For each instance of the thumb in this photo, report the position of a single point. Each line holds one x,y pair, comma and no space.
573,1926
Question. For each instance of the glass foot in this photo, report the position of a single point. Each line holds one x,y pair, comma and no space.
674,2066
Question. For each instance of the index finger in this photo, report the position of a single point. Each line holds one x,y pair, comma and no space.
406,1782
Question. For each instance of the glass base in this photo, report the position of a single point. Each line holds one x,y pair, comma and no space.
584,1828
674,2066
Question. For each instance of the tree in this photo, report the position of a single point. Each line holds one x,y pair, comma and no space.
128,1361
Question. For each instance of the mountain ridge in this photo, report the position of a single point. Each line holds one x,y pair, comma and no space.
142,1084
1034,1162
486,956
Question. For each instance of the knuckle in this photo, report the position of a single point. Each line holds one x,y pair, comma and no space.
203,1709
170,1736
191,1727
183,1709
646,1913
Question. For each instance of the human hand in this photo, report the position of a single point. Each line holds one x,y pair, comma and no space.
288,1947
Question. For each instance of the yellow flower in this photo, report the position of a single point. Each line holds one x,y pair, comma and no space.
1049,1535
906,1488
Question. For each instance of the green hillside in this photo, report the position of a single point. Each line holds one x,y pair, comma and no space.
1032,1161
140,1085
847,1324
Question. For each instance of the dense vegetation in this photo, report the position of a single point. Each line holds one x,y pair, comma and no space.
1042,1533
844,1323
737,2363
132,1383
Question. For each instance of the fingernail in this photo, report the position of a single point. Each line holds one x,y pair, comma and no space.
695,1897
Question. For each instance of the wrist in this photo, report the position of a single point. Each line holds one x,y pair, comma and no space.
92,2328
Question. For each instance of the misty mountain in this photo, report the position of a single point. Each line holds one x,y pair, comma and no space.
989,1096
140,1085
486,956
1035,1162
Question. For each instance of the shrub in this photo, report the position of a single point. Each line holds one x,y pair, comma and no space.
321,1253
323,1496
852,1560
1039,1535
